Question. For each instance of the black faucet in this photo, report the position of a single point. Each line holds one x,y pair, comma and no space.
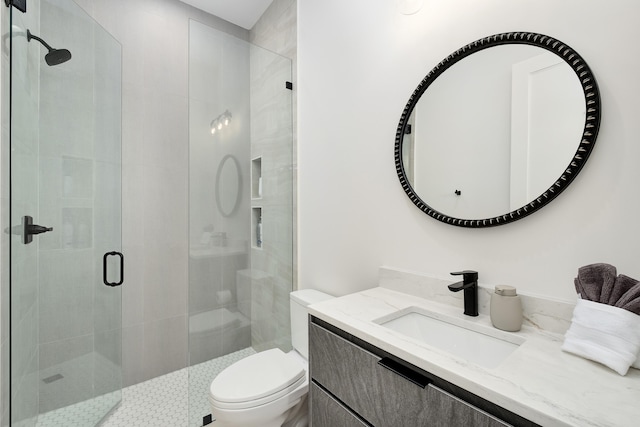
470,286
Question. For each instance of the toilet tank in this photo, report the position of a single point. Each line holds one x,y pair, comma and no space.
299,300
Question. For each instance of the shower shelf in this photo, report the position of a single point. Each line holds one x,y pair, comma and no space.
256,228
256,178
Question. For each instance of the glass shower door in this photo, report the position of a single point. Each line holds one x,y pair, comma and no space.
65,176
240,206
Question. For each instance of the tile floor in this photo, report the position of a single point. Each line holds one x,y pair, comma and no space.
68,382
166,401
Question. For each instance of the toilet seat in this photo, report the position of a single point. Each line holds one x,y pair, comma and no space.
257,380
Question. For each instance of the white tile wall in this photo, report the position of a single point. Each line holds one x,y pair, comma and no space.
273,139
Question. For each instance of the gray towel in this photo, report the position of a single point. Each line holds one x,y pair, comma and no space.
629,297
595,282
633,306
622,285
583,292
609,280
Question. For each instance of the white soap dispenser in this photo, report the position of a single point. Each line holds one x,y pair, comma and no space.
506,309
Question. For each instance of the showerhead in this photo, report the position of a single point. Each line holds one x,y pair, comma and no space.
54,56
57,56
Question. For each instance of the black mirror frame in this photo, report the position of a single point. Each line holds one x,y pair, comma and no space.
589,135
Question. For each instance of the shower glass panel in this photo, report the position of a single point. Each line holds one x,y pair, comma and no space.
240,205
65,162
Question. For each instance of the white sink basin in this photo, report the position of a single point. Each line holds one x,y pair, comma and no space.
479,344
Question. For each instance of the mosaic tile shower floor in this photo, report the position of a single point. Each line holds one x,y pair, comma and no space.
162,401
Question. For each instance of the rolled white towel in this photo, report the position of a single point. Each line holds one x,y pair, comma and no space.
605,334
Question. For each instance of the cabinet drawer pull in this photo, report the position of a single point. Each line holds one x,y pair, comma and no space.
406,373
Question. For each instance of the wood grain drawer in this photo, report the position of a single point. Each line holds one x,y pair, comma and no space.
357,378
328,412
447,410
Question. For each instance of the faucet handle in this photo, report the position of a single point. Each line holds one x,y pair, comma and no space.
468,275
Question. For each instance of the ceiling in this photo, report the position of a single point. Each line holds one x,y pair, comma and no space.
244,13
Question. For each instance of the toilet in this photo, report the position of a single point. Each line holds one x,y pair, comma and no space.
269,389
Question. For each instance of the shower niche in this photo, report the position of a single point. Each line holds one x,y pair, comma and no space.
256,178
256,226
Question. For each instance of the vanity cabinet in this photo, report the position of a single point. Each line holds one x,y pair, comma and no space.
356,384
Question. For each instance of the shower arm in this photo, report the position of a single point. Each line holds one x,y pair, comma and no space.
44,43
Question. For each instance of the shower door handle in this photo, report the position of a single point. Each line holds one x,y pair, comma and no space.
104,269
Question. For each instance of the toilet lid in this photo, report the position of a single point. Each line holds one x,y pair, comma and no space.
256,377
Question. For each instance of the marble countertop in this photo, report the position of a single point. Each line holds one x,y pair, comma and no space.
538,381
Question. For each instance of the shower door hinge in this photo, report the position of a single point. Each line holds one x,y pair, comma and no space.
27,229
21,5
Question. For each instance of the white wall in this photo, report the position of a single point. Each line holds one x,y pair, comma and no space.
359,62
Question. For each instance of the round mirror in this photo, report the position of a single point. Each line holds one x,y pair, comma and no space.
501,133
228,185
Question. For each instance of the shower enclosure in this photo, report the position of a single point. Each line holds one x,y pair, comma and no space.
63,170
63,174
240,205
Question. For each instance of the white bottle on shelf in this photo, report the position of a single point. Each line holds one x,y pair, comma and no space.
259,232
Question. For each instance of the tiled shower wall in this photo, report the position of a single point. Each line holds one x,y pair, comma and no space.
273,270
277,31
155,140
